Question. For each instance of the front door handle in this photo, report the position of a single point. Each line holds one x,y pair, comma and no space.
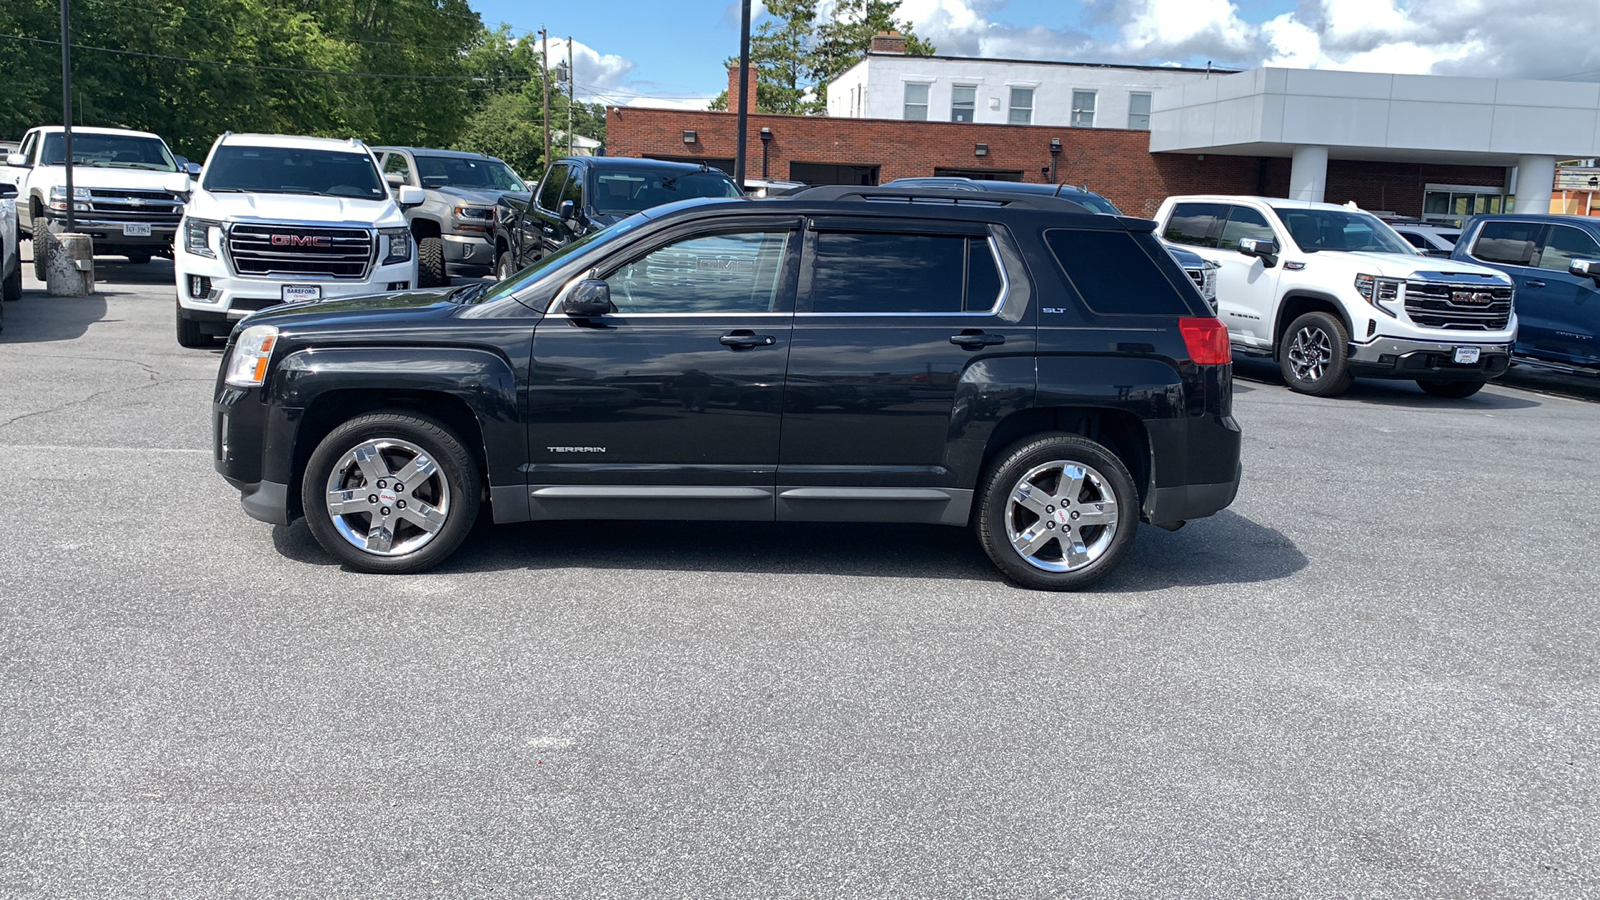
1533,282
745,340
972,339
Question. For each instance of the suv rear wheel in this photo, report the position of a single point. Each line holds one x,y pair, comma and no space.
1057,513
391,492
1314,355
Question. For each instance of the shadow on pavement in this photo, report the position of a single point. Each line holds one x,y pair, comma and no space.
37,318
1384,392
1223,549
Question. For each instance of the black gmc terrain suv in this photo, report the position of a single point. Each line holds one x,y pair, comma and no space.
1046,376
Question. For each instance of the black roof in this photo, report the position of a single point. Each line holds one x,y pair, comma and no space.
637,164
903,203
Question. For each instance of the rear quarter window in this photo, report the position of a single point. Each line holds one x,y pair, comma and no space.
1116,276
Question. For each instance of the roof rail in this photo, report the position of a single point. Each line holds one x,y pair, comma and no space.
938,196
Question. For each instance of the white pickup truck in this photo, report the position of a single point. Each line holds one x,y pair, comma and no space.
278,219
1331,292
127,188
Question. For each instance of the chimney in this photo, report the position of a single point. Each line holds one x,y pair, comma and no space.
893,42
733,88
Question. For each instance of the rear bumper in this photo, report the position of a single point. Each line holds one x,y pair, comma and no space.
1192,501
109,233
1430,360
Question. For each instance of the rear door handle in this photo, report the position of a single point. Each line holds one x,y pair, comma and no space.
744,340
1533,282
972,339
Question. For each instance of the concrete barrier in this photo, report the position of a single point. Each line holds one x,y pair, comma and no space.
69,264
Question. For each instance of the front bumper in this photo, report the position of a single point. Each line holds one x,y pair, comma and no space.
1387,357
252,448
229,298
468,254
109,233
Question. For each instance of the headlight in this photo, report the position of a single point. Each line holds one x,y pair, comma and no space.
197,236
473,218
397,245
58,199
247,367
1379,291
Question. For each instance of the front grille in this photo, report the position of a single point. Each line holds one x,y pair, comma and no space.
155,207
303,251
1458,307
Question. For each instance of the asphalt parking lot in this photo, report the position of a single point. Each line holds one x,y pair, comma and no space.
1375,675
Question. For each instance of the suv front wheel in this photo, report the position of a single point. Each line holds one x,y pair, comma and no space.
1315,355
1057,513
391,493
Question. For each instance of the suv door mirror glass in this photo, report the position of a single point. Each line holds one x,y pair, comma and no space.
20,160
1585,268
590,298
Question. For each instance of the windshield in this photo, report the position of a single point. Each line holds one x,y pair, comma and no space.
294,170
591,241
1337,229
109,151
456,171
625,193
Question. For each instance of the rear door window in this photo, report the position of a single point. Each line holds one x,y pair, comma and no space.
1507,243
1114,275
1195,224
869,272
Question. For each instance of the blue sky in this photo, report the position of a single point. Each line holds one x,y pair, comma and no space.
628,50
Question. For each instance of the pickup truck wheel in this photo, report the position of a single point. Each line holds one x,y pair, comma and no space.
139,258
189,333
1450,390
41,259
391,493
12,289
505,268
430,263
1314,356
1057,513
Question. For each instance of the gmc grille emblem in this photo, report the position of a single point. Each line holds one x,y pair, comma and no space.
1471,298
301,240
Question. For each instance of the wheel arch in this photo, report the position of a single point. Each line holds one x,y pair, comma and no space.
423,227
1299,302
1119,431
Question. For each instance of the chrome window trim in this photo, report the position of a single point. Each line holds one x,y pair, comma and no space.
1000,301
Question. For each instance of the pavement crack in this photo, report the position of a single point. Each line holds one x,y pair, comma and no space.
154,377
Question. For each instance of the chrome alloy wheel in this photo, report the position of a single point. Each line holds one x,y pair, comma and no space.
1061,516
1310,353
388,497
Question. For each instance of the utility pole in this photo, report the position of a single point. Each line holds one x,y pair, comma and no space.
744,91
66,111
544,82
572,93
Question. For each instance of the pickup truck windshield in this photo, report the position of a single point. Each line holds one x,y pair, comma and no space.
1328,229
109,151
625,193
454,171
294,170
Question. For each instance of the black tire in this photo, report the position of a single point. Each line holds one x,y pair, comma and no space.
139,257
504,267
450,489
11,291
189,333
1450,390
430,263
41,260
1042,462
1314,355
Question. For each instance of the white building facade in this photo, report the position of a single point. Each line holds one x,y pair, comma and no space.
891,85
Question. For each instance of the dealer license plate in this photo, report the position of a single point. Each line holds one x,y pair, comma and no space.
1466,354
293,293
132,229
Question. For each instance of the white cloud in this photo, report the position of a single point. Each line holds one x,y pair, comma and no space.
594,73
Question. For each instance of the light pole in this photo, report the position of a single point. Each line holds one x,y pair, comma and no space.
66,108
744,91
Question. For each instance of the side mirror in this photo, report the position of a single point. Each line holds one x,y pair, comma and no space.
1266,251
8,191
1585,268
192,169
17,159
410,196
567,211
177,183
590,298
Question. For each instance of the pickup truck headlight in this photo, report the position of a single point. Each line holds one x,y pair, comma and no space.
1379,292
247,367
197,236
58,199
397,245
472,218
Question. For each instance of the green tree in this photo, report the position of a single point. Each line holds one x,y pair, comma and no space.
842,42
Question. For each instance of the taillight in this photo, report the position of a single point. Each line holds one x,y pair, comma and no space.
1207,340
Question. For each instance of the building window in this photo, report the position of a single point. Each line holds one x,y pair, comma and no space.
1021,106
1083,109
1139,112
916,103
963,102
1452,204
